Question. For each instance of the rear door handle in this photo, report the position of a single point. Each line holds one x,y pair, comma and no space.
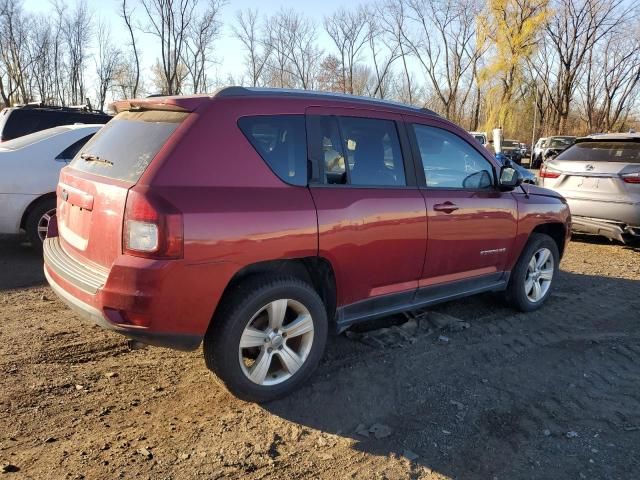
446,207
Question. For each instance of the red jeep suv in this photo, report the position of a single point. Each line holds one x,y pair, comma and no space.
256,220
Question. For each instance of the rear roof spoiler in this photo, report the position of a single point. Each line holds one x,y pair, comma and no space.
170,104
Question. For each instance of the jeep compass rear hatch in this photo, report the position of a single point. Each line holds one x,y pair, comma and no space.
92,192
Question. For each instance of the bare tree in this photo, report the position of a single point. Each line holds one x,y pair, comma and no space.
303,51
247,30
127,17
107,63
573,31
612,77
201,35
383,53
170,22
77,29
445,48
277,37
347,30
14,40
393,20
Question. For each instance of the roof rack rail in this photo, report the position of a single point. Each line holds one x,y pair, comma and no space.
236,91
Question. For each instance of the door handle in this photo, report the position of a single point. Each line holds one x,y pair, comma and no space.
446,207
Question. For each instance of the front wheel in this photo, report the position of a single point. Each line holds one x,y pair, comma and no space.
533,276
267,337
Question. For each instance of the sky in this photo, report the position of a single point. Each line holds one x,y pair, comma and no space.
227,50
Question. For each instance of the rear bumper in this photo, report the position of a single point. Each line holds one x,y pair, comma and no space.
87,312
164,303
606,228
625,211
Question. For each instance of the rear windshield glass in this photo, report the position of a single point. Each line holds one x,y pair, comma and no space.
125,146
509,143
624,152
27,140
560,142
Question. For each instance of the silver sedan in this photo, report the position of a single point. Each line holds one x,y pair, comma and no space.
600,178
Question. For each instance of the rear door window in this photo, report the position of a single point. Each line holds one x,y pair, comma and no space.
357,151
281,142
603,151
124,147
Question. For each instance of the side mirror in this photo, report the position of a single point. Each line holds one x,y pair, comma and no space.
509,178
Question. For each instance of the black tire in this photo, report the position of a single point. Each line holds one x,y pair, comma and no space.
222,341
515,293
33,220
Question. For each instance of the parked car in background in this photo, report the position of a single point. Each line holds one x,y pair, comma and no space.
511,150
527,175
29,170
600,178
298,213
525,150
18,121
536,153
484,140
553,147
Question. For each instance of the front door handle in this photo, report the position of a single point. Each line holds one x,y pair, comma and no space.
446,207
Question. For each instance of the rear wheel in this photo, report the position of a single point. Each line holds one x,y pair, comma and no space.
38,219
534,274
267,338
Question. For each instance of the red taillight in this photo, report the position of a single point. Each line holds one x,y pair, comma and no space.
152,227
631,177
546,172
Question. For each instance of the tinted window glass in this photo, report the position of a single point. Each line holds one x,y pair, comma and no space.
17,122
20,122
32,138
71,151
603,151
281,142
372,150
325,149
560,142
125,146
449,161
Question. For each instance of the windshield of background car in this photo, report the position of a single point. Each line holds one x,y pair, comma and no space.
603,151
124,147
32,138
480,138
509,144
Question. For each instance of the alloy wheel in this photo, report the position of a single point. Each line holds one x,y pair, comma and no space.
43,223
276,342
539,275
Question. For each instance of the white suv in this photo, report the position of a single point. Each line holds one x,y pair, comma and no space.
29,170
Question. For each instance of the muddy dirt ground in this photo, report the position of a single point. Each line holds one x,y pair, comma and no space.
552,394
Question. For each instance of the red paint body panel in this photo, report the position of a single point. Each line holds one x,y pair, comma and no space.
374,238
236,212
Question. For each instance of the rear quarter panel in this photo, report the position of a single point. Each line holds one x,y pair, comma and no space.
236,211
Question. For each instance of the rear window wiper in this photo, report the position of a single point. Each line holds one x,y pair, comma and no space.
89,157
